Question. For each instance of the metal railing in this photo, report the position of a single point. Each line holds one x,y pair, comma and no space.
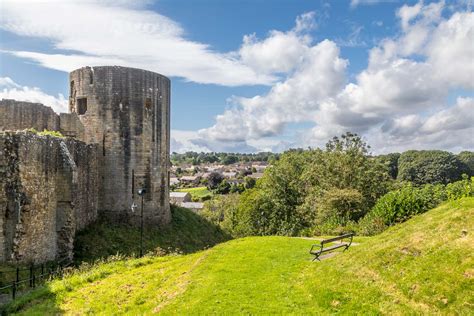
36,274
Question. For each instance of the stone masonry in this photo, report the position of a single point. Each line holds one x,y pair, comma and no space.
117,141
126,111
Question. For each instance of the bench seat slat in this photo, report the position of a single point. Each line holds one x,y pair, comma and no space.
344,244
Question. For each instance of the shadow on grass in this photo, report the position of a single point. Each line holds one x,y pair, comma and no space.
188,232
41,297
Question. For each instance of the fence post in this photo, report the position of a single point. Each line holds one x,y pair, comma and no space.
17,274
13,290
42,271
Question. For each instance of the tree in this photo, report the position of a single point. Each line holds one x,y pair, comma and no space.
214,179
467,158
223,188
391,162
344,171
230,159
430,166
249,182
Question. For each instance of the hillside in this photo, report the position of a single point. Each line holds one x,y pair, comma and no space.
187,232
425,266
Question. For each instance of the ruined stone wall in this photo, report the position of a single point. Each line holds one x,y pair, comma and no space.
17,115
43,181
86,184
126,112
71,126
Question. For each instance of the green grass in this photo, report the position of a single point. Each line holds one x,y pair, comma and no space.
197,193
423,266
187,232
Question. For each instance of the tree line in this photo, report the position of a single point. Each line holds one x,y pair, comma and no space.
197,159
339,188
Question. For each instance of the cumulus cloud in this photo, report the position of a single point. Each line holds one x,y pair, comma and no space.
122,33
319,74
399,101
409,77
355,3
9,89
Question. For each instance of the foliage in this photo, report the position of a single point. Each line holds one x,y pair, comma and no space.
229,159
390,161
225,158
46,133
237,188
343,181
430,166
222,188
421,267
214,179
249,182
399,205
306,188
222,211
467,158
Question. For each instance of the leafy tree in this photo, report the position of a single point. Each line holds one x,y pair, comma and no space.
430,166
223,188
343,171
249,182
237,188
230,159
214,179
391,162
467,158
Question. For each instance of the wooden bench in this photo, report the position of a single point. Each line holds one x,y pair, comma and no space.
318,249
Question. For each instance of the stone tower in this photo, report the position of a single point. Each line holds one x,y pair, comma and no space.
126,111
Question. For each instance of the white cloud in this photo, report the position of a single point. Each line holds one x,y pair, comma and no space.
12,90
319,74
399,101
98,33
355,3
391,102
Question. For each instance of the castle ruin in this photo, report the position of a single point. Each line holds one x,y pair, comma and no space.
117,141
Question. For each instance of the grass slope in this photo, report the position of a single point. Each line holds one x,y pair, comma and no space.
187,232
424,266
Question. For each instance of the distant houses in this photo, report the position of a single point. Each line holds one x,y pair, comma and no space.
179,197
183,199
195,206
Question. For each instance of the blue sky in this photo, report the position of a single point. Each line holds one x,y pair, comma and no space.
263,75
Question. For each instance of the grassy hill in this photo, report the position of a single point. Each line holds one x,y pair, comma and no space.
187,232
424,266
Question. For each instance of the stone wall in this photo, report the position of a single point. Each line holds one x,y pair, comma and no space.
126,112
17,115
46,194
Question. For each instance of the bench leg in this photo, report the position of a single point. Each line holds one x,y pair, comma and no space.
316,257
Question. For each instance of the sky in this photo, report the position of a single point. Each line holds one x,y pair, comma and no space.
254,75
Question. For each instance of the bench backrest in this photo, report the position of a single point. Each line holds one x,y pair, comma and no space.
337,238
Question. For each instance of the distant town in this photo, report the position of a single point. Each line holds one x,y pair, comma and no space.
196,177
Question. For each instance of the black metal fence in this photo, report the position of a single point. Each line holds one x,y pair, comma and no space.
35,274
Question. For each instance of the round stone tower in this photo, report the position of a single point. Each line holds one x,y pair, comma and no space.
127,112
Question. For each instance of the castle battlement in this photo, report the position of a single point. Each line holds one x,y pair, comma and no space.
116,141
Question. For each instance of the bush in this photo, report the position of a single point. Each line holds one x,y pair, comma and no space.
399,205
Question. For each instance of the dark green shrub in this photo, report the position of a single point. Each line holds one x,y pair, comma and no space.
399,205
